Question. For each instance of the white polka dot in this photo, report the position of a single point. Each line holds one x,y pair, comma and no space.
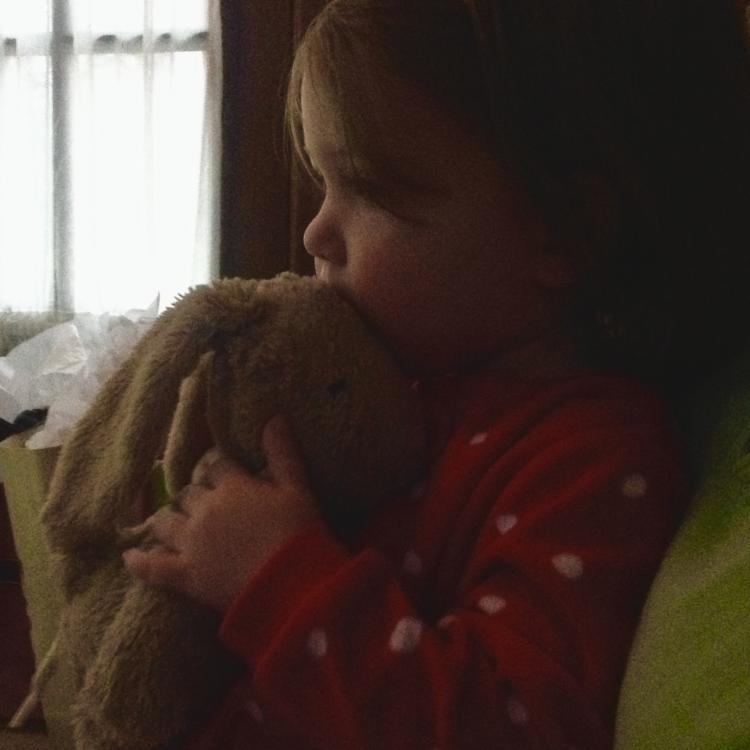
635,486
517,712
491,604
478,439
406,635
506,523
413,564
317,643
447,621
569,565
254,710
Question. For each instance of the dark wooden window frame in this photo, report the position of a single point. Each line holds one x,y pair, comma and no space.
266,202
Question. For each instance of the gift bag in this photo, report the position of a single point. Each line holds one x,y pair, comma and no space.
26,474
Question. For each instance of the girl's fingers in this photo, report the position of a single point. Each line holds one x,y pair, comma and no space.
219,469
201,468
168,527
187,498
157,567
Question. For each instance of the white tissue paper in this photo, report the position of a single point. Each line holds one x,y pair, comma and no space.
64,367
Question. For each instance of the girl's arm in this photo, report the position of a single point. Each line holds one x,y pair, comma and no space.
528,654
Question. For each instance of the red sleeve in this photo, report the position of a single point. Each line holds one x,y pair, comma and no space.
530,651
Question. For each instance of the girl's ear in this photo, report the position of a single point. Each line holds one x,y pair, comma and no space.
588,220
555,268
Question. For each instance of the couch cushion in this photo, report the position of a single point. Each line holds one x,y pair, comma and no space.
688,678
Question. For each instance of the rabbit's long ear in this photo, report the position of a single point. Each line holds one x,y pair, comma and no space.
112,450
190,436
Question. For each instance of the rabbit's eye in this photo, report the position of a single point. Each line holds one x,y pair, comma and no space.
338,387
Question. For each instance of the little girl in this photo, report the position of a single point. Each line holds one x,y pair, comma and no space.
537,206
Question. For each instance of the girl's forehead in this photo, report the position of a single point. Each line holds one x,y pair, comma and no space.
322,129
405,132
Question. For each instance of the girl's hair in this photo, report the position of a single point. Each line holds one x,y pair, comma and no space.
653,98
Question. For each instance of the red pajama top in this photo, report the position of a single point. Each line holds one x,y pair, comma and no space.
491,607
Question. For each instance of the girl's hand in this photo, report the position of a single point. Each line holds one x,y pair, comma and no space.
227,524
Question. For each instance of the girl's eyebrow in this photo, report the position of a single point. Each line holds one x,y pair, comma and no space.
338,158
335,159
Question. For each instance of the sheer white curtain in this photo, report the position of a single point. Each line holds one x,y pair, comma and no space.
109,152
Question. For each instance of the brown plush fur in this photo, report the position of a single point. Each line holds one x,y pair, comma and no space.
212,370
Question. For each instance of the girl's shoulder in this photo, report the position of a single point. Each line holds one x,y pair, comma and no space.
577,402
489,418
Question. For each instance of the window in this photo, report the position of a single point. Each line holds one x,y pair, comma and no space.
108,152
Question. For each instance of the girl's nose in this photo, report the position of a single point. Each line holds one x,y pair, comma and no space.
322,239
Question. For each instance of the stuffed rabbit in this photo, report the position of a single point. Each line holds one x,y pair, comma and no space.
212,370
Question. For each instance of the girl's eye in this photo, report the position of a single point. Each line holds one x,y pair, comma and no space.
350,186
369,192
361,188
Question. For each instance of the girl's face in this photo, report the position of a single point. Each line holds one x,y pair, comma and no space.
452,272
